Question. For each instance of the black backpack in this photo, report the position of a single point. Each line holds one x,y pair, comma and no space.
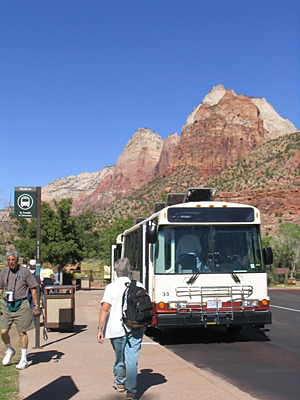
139,312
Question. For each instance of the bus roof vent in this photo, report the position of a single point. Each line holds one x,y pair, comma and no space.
200,194
174,198
158,206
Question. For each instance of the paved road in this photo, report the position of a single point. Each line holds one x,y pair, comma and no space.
264,363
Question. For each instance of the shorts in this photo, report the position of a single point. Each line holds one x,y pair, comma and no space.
22,318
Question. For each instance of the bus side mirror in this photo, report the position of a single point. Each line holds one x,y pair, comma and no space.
151,233
268,255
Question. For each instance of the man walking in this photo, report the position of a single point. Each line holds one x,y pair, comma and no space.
126,342
16,280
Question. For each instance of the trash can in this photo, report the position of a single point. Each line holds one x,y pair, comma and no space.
59,307
85,282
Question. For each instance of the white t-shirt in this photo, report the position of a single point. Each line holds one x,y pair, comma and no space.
113,295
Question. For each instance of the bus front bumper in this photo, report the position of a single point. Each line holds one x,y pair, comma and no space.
193,320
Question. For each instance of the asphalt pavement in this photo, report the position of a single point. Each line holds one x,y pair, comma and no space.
73,365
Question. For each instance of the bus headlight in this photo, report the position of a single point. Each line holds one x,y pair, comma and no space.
250,303
177,305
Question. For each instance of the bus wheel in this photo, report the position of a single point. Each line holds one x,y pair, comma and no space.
234,329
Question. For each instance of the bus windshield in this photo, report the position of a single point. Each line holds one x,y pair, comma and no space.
208,249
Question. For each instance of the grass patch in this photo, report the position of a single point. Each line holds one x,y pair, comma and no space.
9,376
9,382
92,264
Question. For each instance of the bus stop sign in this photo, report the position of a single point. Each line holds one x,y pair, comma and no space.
25,202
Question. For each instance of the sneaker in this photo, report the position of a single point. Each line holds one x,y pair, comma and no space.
120,387
8,356
22,364
130,396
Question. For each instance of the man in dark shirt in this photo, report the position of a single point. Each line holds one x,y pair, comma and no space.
15,281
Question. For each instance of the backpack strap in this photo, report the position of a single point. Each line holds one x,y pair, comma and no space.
123,302
124,294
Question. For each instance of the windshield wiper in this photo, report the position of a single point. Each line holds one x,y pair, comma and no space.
194,277
225,266
209,256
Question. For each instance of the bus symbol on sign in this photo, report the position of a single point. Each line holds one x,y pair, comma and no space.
25,202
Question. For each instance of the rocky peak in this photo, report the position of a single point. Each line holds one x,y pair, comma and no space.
135,166
167,153
224,128
139,158
144,137
273,122
220,134
72,186
211,99
215,95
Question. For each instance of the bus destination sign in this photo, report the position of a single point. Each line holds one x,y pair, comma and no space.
25,202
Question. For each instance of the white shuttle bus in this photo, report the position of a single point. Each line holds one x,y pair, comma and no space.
201,262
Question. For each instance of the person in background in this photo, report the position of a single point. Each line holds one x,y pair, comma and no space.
67,276
15,281
56,278
48,278
32,266
126,342
25,262
188,243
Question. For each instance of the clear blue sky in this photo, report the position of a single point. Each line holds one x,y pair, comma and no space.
79,77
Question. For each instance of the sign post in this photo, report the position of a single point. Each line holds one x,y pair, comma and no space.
28,205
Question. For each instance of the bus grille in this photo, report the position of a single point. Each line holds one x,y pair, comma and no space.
239,292
216,296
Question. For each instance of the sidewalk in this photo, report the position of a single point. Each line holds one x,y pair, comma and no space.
73,365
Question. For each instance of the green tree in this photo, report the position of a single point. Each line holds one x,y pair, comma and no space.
25,240
108,236
88,235
286,247
60,243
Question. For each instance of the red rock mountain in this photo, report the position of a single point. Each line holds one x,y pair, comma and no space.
222,129
136,166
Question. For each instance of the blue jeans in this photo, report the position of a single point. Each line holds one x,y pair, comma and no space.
127,349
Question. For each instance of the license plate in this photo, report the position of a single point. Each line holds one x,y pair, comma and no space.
214,304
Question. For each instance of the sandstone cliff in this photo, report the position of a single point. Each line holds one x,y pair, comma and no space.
138,160
223,129
73,186
135,166
272,121
167,154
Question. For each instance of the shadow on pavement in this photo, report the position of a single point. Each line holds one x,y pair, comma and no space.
44,356
147,378
206,336
63,387
77,329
